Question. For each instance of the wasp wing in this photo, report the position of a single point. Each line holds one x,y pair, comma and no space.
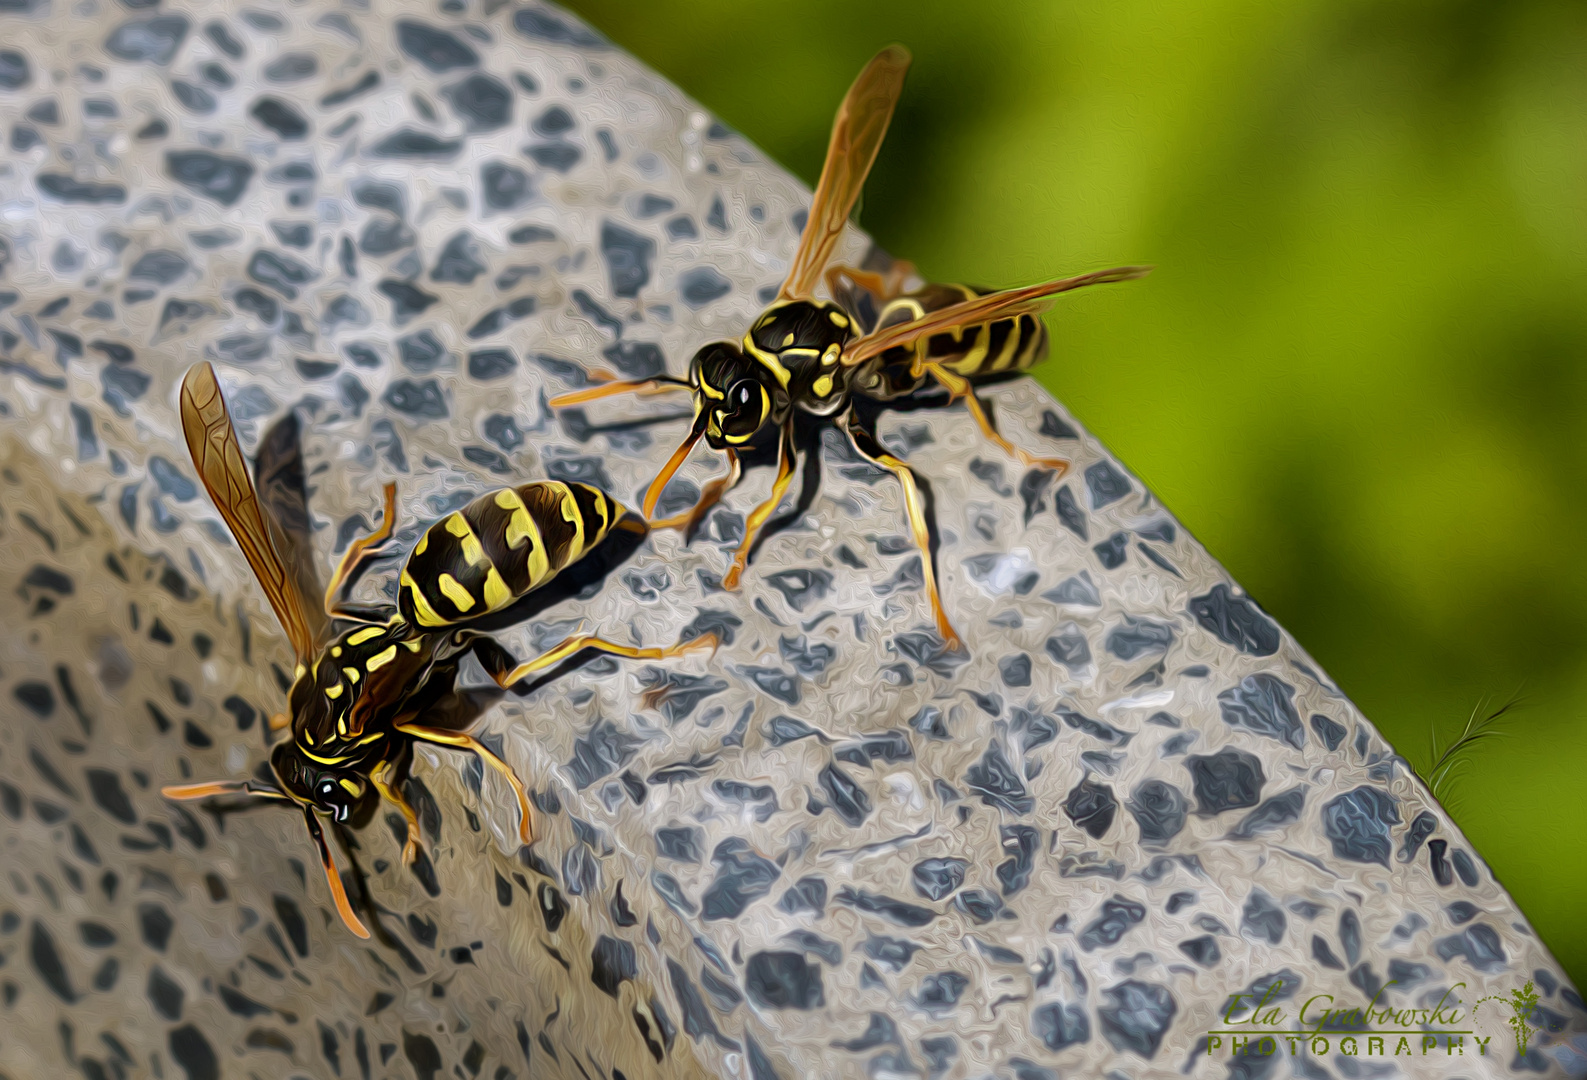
279,477
212,442
993,307
857,134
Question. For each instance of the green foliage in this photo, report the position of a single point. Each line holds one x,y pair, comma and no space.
1359,372
1445,764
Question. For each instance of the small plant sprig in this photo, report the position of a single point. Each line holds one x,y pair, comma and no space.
1448,761
1521,1003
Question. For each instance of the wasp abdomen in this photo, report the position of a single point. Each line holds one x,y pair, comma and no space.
504,544
1007,345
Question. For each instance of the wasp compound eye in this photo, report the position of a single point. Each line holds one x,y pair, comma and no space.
745,411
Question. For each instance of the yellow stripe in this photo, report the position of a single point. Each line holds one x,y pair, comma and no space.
352,674
711,391
523,525
363,636
412,644
838,319
324,760
768,359
604,504
459,527
381,659
453,591
570,514
334,692
424,542
497,595
421,606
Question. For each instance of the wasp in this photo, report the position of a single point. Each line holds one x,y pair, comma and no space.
372,680
806,362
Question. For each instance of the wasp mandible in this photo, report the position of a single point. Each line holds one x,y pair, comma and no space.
370,679
807,358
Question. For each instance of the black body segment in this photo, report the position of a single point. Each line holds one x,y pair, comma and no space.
499,547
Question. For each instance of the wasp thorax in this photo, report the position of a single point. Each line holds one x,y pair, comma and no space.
801,327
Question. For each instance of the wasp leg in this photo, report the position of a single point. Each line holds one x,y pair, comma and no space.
390,792
883,286
658,384
919,524
960,387
333,878
578,643
462,741
757,517
691,520
809,487
358,553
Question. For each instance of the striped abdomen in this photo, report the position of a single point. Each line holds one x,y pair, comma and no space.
502,545
1008,345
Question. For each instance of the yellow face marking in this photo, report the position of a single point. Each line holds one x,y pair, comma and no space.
361,637
459,527
352,675
334,692
382,658
426,614
787,340
424,542
497,595
349,786
308,736
336,650
413,646
711,391
838,319
455,592
822,386
766,318
325,760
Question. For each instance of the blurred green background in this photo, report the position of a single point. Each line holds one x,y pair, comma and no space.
1359,373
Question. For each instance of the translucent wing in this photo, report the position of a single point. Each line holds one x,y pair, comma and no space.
1030,300
213,444
278,477
857,134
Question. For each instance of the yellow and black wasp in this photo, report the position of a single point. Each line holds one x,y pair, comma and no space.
372,681
807,362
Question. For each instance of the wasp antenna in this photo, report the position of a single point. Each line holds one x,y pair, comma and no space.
333,878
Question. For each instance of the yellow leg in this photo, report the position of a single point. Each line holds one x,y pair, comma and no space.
410,848
443,737
354,556
579,642
621,386
758,516
883,286
690,520
959,387
915,508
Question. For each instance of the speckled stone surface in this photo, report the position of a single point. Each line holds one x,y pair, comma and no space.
829,850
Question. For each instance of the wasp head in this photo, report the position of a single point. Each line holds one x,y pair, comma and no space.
344,794
736,396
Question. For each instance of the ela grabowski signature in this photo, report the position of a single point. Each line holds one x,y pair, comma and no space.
1255,1024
